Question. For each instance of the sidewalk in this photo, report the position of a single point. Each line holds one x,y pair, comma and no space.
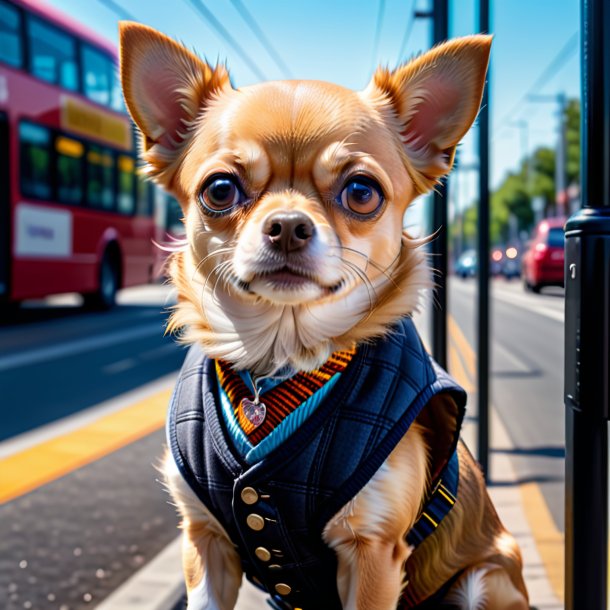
509,502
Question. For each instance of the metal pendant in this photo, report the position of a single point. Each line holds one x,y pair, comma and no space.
254,412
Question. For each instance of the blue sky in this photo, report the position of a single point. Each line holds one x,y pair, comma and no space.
339,41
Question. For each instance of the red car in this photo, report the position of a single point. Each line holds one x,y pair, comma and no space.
543,260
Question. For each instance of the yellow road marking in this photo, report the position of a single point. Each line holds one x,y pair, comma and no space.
43,463
456,368
463,346
549,540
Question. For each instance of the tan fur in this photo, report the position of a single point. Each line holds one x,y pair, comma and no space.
368,534
293,146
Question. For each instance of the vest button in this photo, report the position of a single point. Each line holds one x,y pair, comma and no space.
255,522
283,589
262,553
249,495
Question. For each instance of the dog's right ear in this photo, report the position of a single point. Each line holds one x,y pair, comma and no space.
165,88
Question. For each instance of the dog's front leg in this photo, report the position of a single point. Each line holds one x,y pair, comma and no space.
212,569
368,534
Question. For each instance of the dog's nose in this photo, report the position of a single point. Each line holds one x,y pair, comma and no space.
289,231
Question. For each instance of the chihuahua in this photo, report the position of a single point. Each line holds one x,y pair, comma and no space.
313,443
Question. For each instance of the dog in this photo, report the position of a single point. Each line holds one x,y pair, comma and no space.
296,271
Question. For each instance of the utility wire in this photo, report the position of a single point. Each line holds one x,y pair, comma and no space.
118,10
377,33
407,35
208,16
258,32
564,54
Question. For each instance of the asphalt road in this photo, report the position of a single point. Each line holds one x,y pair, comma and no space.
58,359
527,377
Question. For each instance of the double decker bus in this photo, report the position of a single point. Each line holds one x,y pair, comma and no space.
74,214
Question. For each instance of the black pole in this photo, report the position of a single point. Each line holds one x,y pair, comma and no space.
483,261
439,247
587,330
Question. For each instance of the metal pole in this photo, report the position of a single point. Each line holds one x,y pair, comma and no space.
440,218
587,330
483,260
561,186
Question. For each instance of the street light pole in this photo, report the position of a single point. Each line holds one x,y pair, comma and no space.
561,186
587,331
440,219
483,261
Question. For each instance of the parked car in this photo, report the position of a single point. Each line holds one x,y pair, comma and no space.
542,263
466,265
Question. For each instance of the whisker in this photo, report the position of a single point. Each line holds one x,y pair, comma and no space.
375,265
220,251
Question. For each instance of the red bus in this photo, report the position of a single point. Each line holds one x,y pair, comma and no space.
74,215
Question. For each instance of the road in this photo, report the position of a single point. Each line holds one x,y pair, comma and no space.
71,534
527,376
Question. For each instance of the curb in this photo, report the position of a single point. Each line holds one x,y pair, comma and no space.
159,585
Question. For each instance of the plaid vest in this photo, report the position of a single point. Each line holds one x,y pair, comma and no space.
275,510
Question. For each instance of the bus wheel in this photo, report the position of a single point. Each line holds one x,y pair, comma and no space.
105,296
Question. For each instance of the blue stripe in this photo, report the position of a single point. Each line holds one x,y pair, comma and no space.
236,434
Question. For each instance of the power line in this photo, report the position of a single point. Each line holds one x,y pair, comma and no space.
118,10
377,33
564,54
258,32
208,16
407,34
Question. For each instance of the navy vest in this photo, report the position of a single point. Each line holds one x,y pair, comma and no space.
275,510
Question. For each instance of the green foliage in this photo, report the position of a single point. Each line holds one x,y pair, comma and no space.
535,177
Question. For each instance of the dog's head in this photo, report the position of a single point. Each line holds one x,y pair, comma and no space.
294,193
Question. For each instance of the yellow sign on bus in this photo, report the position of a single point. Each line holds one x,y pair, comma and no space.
95,123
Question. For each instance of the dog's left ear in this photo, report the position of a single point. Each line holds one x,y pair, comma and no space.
166,88
435,99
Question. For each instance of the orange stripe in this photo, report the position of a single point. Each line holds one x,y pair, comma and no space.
52,459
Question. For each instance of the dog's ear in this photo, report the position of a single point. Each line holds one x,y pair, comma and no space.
165,88
435,99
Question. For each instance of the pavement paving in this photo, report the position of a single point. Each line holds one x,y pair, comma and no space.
68,544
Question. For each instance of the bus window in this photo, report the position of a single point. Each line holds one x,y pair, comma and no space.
52,55
10,40
35,156
97,73
144,206
117,103
125,195
100,178
69,162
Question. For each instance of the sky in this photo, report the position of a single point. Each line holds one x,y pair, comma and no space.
342,41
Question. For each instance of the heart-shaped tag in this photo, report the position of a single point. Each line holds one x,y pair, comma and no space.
254,412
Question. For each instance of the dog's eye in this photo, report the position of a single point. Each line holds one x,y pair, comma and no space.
220,193
361,195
